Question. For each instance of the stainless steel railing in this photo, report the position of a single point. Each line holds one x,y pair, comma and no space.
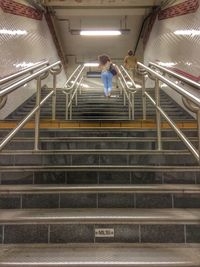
175,75
159,111
4,81
54,69
129,88
70,90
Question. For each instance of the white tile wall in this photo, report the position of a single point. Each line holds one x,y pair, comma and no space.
171,44
24,41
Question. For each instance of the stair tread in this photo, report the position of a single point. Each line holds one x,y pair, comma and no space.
118,168
152,188
101,215
99,255
93,151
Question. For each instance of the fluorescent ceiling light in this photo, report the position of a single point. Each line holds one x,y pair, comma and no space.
100,33
187,32
91,64
13,32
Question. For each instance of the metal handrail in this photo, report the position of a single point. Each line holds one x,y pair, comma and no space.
23,72
16,85
71,92
176,75
9,137
129,90
71,76
159,111
174,86
39,75
130,78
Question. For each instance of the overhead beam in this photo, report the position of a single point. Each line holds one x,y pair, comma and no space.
100,3
63,13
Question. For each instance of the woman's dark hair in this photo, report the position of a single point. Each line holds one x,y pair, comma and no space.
130,53
103,59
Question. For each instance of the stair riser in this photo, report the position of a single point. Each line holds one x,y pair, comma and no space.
87,177
99,200
88,160
85,233
67,144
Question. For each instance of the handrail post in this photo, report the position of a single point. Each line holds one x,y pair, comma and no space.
198,129
158,117
70,108
124,99
129,106
133,106
37,114
54,98
76,99
55,72
144,109
66,106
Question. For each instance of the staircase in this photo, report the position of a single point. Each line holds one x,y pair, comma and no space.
92,105
100,193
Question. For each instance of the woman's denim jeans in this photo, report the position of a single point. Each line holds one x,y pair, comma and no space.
106,77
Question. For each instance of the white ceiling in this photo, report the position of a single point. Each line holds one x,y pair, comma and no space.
99,14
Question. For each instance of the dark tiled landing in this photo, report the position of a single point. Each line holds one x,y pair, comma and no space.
115,200
17,178
153,201
187,201
82,177
193,233
76,233
114,178
75,200
71,233
49,177
146,178
25,234
113,160
10,202
162,234
179,177
40,201
85,160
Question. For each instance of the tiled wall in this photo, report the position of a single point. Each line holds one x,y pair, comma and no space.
23,41
175,42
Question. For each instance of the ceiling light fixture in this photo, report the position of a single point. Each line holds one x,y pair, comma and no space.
91,64
100,33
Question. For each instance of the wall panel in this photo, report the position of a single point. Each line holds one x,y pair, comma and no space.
24,41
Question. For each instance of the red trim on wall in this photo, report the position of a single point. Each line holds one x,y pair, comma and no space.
189,6
186,74
9,6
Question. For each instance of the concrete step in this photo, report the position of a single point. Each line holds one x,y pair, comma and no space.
95,152
48,196
82,225
97,255
100,188
100,168
101,216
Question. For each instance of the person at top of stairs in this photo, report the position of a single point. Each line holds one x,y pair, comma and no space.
130,63
107,74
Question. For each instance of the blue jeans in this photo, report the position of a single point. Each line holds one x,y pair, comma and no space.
106,77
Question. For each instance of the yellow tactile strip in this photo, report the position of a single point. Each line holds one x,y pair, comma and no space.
98,124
